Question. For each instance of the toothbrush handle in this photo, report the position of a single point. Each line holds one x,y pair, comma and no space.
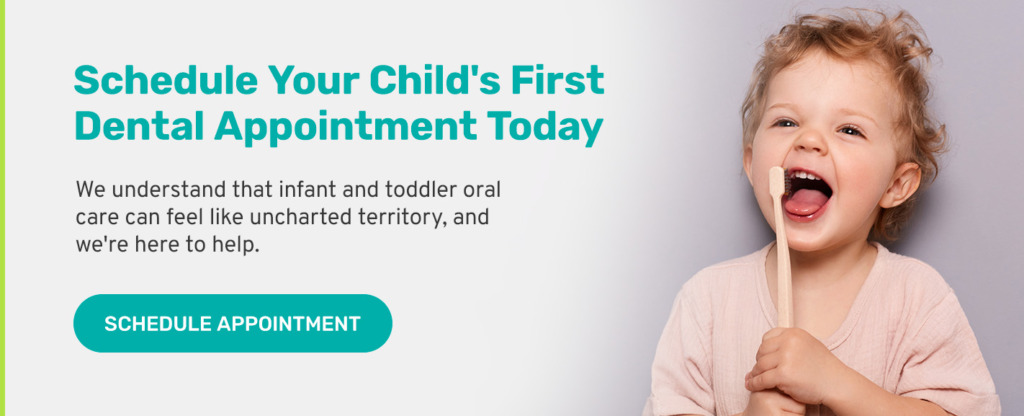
785,277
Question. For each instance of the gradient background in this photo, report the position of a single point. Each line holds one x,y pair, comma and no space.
556,306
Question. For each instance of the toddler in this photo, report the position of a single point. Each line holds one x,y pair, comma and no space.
840,103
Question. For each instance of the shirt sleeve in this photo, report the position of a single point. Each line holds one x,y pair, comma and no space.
681,374
943,364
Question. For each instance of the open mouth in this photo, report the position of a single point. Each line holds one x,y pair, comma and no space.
806,193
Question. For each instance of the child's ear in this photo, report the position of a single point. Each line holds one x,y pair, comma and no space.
748,156
904,183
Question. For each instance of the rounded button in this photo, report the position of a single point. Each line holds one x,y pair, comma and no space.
232,323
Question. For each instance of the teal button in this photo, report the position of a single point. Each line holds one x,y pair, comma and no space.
232,323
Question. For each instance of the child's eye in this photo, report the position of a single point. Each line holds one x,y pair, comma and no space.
851,130
784,122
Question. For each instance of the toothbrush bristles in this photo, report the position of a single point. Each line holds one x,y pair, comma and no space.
787,189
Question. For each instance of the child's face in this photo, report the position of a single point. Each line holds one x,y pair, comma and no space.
836,120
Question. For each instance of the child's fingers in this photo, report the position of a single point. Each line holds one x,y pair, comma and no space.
772,333
763,364
769,345
773,402
764,381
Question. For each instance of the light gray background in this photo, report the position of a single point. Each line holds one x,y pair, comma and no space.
554,308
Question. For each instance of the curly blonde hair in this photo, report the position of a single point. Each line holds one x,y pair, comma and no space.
899,45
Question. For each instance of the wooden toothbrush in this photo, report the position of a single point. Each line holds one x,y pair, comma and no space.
778,186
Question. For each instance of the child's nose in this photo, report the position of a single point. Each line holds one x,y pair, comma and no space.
811,140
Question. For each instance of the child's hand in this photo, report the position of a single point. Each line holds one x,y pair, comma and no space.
772,403
799,365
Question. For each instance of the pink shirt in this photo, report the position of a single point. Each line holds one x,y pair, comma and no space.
905,332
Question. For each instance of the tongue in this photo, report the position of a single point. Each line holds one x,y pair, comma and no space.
805,202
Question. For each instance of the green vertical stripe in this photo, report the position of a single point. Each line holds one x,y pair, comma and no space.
3,208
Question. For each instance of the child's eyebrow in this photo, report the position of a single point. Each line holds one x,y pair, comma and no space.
787,106
852,112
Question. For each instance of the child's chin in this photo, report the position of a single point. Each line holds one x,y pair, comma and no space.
805,245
